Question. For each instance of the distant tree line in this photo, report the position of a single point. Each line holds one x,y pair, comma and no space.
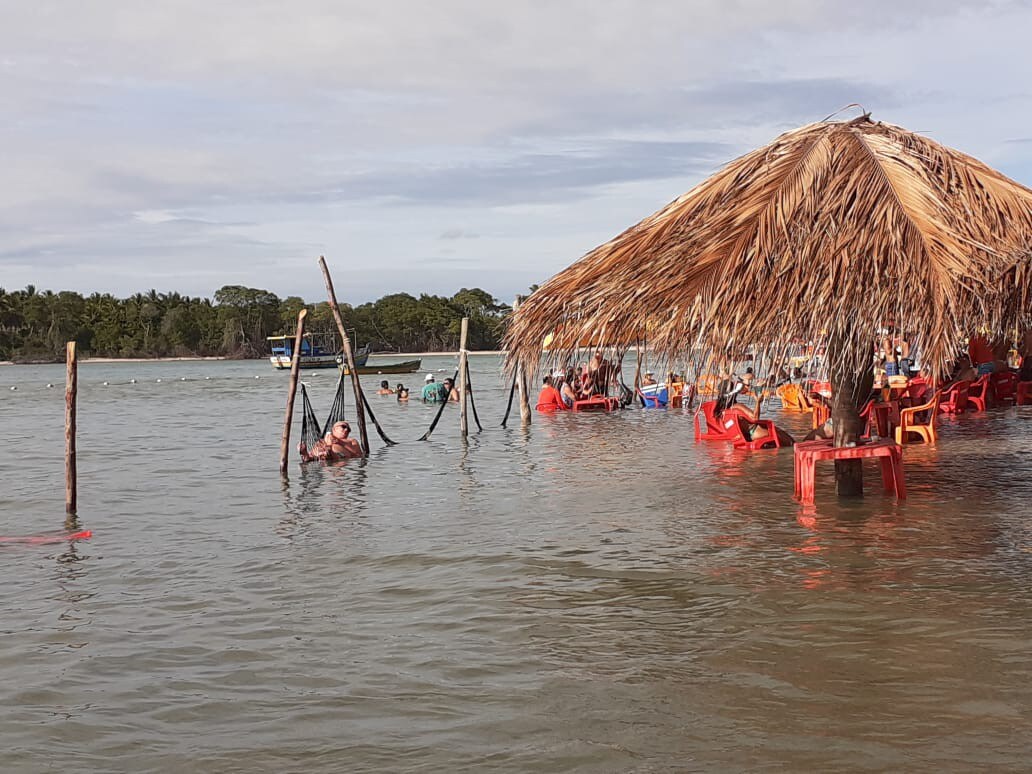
34,325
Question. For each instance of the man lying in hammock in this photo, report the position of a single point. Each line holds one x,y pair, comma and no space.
335,445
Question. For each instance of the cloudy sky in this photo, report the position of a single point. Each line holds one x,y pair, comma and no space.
425,146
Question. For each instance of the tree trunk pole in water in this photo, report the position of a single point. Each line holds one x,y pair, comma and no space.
850,388
295,368
463,398
71,394
521,383
637,364
349,358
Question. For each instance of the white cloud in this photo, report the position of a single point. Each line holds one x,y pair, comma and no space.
195,143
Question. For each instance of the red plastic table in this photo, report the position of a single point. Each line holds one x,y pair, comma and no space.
596,403
808,453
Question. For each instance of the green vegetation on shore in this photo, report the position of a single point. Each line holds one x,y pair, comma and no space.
34,325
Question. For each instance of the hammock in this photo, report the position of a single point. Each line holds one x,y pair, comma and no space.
311,432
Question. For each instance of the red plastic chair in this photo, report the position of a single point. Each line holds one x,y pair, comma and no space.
723,429
867,415
919,390
1005,385
980,393
742,441
1023,394
954,399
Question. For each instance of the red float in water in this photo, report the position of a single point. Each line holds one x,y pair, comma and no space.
35,540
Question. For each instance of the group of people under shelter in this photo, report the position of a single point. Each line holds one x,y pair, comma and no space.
895,357
564,387
896,365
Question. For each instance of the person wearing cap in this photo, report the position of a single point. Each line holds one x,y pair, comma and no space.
649,379
431,390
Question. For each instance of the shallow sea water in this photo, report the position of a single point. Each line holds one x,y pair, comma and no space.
596,594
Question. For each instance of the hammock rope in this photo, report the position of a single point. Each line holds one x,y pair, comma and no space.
372,416
472,403
512,392
311,432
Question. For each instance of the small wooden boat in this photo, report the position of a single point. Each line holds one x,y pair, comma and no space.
403,367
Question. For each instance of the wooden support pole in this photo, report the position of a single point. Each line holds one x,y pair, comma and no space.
521,383
349,358
851,384
295,368
463,397
71,393
525,414
637,365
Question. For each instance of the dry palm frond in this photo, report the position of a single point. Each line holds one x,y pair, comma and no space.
829,232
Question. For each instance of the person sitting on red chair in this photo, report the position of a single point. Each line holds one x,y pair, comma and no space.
549,398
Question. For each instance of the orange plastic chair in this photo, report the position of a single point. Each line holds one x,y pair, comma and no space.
954,399
791,397
980,393
707,384
676,393
908,422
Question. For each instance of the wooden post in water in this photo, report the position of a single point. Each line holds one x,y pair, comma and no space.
851,384
295,367
71,392
462,385
521,382
348,356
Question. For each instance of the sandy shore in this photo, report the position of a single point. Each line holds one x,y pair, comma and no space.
395,355
147,359
85,360
495,352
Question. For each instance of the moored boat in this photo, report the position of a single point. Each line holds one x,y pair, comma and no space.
316,352
402,367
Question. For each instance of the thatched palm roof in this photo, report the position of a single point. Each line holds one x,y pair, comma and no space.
832,230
